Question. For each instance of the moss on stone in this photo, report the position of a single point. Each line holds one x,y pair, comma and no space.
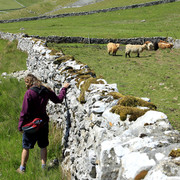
81,97
53,52
134,102
83,75
116,95
85,87
63,59
86,72
123,111
82,78
175,153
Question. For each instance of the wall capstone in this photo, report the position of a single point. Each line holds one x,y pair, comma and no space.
101,146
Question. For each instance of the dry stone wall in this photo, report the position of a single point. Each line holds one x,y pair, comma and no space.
65,39
137,40
100,145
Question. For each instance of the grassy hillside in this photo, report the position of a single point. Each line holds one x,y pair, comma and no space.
40,7
9,4
118,24
10,59
105,4
29,2
34,8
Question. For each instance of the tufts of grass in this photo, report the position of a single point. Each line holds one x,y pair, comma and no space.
11,59
8,96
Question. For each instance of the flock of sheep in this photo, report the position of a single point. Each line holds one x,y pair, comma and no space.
112,47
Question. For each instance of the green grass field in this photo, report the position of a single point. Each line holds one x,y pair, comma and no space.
118,24
40,7
29,2
33,8
105,4
13,60
9,4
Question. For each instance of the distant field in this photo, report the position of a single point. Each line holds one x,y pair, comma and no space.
141,22
29,2
40,7
15,4
34,8
102,5
9,4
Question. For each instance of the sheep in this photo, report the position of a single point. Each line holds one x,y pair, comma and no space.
161,41
150,45
112,48
135,49
156,47
164,44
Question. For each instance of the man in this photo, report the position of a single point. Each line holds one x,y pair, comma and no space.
34,106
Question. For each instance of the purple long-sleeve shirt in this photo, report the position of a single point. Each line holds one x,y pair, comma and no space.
34,104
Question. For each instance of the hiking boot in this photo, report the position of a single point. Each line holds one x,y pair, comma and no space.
19,171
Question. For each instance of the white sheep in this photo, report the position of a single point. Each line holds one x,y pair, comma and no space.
135,49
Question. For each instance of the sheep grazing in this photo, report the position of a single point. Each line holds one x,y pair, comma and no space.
150,45
135,49
164,44
112,48
156,47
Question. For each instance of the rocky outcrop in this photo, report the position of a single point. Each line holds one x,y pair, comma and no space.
101,146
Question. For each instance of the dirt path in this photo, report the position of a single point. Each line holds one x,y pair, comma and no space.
81,3
19,3
77,4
